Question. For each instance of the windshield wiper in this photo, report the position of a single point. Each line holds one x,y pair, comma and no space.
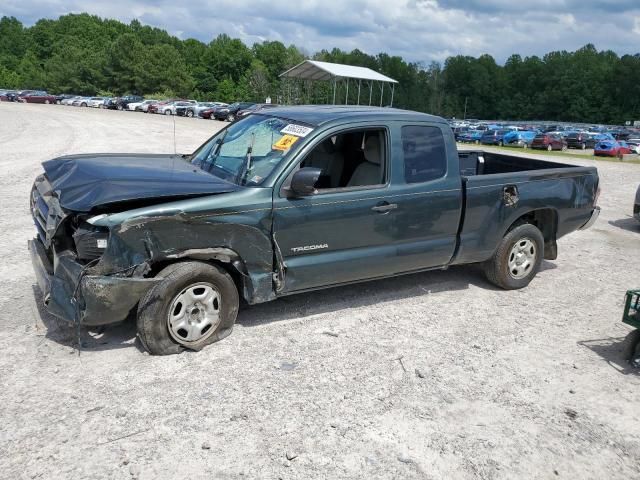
246,163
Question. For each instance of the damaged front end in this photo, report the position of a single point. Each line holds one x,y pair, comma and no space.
93,270
63,254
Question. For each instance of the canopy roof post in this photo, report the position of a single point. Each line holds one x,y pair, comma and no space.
359,81
393,88
381,92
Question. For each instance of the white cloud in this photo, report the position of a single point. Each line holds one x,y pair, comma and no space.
418,30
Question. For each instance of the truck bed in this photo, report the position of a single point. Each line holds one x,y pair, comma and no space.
562,193
476,162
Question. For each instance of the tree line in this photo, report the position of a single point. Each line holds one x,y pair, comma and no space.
85,54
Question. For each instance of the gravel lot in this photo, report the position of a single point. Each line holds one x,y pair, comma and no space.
435,375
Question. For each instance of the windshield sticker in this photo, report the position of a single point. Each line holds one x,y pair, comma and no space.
285,143
297,130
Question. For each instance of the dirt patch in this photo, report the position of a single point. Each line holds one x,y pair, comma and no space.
434,375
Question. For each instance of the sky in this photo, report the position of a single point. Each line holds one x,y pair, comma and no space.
417,30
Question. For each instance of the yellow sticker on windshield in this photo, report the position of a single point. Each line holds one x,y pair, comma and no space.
285,143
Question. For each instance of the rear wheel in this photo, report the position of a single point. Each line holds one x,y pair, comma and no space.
517,259
231,117
190,113
564,148
583,146
167,111
83,104
195,304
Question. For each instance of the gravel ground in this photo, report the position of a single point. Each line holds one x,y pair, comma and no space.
434,375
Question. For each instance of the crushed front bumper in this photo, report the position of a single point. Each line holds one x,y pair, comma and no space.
74,296
594,216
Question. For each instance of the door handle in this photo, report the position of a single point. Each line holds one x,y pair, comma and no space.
384,207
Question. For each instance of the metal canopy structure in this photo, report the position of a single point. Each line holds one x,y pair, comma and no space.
335,73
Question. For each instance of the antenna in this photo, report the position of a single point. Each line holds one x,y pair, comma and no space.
175,152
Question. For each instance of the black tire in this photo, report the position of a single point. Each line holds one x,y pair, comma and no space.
631,348
190,113
231,117
153,310
83,104
583,146
501,143
497,268
120,107
549,148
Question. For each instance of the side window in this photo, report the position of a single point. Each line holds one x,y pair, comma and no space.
425,157
355,158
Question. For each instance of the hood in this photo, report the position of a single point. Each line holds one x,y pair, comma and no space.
82,182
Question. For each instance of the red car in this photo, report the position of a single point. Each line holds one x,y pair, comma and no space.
611,148
155,107
37,97
548,141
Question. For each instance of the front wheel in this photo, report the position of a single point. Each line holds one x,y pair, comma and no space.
167,112
195,304
231,117
190,113
517,259
549,148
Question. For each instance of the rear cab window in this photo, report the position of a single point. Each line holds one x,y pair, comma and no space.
424,152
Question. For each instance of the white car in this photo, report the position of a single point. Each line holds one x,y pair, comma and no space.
170,108
96,102
634,145
142,106
69,101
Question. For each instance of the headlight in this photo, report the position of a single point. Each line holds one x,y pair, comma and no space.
90,241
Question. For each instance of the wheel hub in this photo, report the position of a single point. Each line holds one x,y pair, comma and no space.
194,314
522,258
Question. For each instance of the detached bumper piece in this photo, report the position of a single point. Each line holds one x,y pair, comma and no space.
101,299
594,216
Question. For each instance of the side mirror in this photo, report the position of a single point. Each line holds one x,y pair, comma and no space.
304,181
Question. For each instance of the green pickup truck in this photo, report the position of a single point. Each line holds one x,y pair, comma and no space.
290,200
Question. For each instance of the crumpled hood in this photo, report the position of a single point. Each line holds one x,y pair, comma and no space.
82,182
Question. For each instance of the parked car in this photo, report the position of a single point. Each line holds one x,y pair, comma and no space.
38,96
519,138
97,102
230,112
634,145
69,101
63,96
120,103
176,240
141,106
80,102
548,141
494,137
194,110
459,131
170,108
611,148
7,95
581,140
471,136
256,108
157,106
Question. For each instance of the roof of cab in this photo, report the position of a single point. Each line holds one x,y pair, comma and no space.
321,114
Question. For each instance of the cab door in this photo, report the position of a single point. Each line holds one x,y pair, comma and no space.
341,234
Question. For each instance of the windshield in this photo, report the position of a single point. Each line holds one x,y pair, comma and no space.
247,151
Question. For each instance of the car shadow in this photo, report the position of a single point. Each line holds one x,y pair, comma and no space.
629,224
615,351
363,294
123,334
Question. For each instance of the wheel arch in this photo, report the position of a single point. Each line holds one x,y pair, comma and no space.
546,220
227,259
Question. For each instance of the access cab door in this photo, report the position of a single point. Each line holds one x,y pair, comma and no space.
343,233
362,224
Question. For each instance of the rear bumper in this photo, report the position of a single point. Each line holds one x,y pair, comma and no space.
594,216
99,299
